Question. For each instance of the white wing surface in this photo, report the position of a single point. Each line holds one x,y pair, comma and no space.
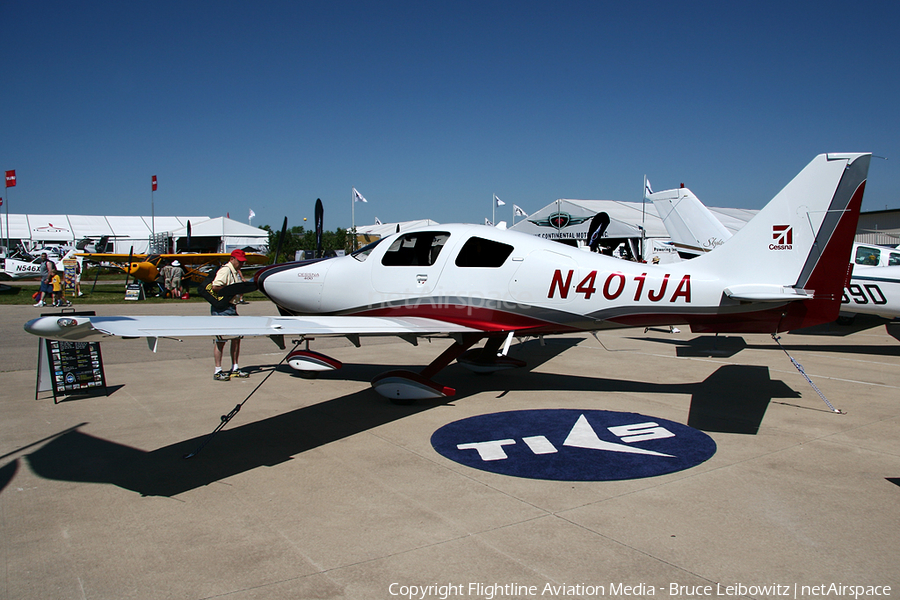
76,328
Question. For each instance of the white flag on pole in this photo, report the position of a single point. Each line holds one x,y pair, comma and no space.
357,197
647,189
519,212
488,222
252,214
499,201
377,221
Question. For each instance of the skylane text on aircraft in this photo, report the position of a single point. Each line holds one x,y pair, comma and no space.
490,591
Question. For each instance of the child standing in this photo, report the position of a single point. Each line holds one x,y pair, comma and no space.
56,282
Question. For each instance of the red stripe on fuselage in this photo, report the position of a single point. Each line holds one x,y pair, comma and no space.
485,319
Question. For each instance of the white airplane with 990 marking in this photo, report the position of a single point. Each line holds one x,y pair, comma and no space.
784,270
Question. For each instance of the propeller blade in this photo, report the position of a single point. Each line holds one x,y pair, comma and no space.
241,287
320,215
280,241
128,268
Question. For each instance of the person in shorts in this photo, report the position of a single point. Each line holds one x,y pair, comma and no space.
228,274
177,272
46,290
57,283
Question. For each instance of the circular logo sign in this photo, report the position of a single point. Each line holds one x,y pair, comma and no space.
573,445
560,219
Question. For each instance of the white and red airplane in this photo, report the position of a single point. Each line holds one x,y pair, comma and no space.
784,270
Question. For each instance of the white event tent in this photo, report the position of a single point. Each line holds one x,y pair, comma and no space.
568,220
221,235
127,232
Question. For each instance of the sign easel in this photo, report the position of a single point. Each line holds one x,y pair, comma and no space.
68,368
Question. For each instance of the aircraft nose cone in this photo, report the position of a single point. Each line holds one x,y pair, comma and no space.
295,286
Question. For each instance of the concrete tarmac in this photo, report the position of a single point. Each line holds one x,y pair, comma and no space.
320,488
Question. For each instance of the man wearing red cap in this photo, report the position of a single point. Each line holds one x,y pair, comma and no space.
228,274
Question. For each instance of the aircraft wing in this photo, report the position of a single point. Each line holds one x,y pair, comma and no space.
111,257
253,258
78,328
185,259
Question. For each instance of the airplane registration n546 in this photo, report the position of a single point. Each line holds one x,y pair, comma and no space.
784,270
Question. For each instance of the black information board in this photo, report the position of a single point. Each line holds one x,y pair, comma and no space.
75,367
70,367
134,291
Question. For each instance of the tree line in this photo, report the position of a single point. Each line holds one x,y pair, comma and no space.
300,238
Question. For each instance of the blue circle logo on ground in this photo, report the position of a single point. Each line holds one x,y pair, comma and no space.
573,445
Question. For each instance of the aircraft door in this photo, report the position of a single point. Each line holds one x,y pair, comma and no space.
545,278
412,264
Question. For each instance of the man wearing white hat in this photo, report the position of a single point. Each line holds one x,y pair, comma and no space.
177,272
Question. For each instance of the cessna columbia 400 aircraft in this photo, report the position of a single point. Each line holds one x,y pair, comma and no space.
786,269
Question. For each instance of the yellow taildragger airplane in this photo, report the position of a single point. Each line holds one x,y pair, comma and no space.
146,267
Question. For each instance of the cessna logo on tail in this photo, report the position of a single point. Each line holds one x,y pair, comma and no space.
783,236
573,445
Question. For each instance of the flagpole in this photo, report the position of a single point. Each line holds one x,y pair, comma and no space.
353,219
644,200
7,218
494,209
7,223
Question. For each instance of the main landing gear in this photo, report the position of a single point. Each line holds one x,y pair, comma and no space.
405,387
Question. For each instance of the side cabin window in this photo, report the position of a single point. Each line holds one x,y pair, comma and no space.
869,257
419,249
479,252
893,259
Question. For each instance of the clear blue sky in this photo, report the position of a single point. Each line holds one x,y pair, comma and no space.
428,108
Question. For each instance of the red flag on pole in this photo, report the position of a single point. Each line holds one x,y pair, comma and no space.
154,183
11,178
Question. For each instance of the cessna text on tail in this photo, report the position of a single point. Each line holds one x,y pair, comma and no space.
785,269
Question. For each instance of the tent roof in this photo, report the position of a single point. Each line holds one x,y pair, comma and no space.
384,229
18,227
219,226
49,227
75,227
624,217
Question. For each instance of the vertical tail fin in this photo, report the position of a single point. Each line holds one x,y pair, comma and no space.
694,230
802,239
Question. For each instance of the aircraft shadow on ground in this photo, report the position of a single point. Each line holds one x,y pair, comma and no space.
7,472
733,399
844,327
728,346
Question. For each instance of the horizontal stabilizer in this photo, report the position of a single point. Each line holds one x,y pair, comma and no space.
766,293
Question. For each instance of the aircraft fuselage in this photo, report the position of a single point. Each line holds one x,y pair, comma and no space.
497,280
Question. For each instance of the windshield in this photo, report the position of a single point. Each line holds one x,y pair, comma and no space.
363,253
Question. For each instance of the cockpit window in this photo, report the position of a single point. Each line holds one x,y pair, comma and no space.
363,253
868,256
418,249
479,252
